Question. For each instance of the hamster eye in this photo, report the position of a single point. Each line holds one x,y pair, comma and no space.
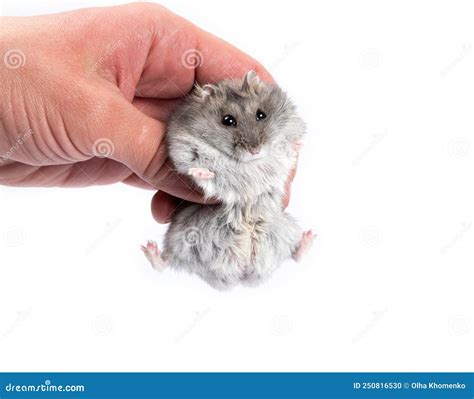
260,115
229,120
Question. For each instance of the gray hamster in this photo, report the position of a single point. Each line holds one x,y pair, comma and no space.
238,141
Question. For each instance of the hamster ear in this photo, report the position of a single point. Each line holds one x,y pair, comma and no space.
205,91
251,79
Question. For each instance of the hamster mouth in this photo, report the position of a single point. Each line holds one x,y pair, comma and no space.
247,156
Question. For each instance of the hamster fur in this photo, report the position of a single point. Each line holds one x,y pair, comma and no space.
238,142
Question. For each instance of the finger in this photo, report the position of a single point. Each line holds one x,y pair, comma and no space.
95,171
221,60
191,55
287,195
155,107
295,166
128,136
291,177
164,205
179,185
134,181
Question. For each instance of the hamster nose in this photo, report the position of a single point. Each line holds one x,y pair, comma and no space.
254,150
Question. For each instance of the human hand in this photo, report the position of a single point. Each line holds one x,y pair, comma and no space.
86,96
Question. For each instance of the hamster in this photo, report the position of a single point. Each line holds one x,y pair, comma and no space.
238,142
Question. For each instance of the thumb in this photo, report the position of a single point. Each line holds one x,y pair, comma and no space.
136,140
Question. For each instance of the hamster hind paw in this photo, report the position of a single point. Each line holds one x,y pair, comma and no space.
153,254
201,173
304,245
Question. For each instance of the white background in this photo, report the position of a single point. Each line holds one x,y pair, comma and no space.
385,179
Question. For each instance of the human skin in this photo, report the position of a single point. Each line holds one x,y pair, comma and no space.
86,96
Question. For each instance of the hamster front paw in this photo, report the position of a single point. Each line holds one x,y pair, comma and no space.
201,173
304,245
153,254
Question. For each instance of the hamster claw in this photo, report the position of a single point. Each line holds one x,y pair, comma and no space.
201,173
304,245
153,254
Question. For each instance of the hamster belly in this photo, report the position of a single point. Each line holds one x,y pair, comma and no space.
273,241
201,241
